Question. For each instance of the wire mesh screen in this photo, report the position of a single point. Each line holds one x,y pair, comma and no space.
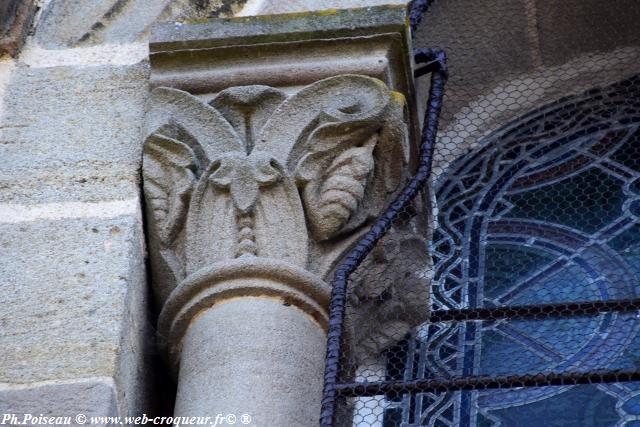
507,292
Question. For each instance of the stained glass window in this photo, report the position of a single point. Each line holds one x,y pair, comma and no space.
543,211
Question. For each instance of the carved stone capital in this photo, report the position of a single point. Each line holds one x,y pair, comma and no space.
257,184
271,146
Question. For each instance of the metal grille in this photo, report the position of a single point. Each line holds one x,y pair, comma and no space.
519,304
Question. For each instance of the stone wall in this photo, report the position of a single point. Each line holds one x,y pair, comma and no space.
507,58
76,334
77,320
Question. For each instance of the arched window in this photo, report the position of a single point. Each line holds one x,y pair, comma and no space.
543,212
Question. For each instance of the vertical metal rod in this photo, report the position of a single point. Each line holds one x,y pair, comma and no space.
435,60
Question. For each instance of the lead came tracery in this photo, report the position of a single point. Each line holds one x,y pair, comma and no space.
545,211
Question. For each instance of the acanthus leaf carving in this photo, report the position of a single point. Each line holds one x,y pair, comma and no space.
335,186
355,158
170,175
243,176
257,173
170,178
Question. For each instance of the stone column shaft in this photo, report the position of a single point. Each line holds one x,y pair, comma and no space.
253,356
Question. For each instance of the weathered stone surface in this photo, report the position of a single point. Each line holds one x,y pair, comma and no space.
71,232
264,7
86,113
321,164
68,23
76,138
93,397
74,283
86,182
275,28
189,10
567,29
509,58
502,44
16,17
284,50
281,387
74,303
390,295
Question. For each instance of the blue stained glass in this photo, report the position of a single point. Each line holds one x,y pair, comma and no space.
556,221
586,201
629,153
502,273
580,406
